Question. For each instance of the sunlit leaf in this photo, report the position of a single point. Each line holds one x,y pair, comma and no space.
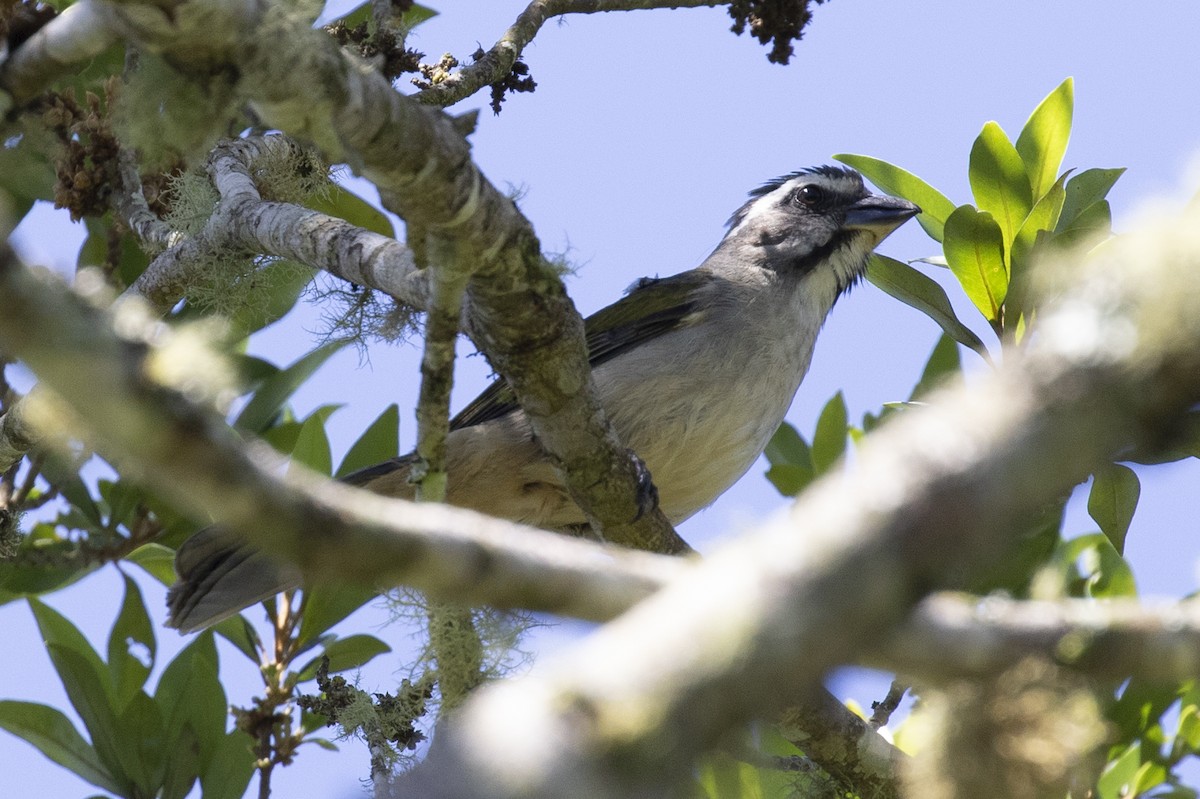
935,207
345,204
974,247
1043,140
1116,782
922,292
999,182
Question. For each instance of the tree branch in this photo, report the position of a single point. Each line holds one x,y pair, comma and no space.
952,637
497,62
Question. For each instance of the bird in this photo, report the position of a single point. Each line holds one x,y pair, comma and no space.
695,372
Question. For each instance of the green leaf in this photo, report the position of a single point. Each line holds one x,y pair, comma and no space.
942,365
344,654
1043,217
790,479
190,696
156,560
974,246
999,182
1112,501
131,631
55,736
276,390
347,205
922,292
326,604
1036,227
88,690
829,440
1117,780
140,743
57,630
241,633
97,251
1084,190
1093,224
722,777
788,447
229,771
378,443
1043,140
312,445
935,207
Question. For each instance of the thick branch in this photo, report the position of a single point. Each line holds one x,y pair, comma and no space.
498,61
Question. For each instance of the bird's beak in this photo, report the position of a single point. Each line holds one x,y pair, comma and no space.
879,215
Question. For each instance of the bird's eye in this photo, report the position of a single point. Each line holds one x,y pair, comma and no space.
810,196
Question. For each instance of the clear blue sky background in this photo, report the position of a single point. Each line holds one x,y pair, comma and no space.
646,131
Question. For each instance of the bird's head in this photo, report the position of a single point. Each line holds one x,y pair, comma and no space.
816,219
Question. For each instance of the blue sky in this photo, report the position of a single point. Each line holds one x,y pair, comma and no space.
646,131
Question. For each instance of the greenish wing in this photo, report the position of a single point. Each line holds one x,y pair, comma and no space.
652,307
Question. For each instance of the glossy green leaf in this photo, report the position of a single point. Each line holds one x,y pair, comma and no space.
943,364
326,604
55,736
1043,140
1112,501
935,207
922,292
974,248
276,390
829,439
347,205
1084,190
378,443
345,654
312,445
131,646
999,182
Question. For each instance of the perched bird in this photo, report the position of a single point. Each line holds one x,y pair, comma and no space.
695,372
